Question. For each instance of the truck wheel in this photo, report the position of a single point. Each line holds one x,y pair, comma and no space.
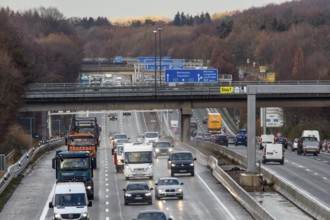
94,163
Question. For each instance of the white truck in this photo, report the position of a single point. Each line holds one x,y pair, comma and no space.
138,161
70,199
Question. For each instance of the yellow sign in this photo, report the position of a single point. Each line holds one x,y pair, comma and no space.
226,90
262,69
270,77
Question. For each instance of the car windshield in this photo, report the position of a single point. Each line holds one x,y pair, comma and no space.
168,182
74,163
138,157
132,187
152,216
75,199
120,136
151,135
163,144
88,141
182,156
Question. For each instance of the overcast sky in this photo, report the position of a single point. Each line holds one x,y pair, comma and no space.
113,9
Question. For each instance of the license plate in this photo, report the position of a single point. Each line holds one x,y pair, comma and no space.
270,153
183,171
138,198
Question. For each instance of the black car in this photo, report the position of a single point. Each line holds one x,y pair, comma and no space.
162,148
181,162
283,141
221,139
127,113
113,116
137,192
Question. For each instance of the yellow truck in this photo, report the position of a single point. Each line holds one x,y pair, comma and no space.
214,123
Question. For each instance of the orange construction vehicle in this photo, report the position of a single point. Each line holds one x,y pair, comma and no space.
84,141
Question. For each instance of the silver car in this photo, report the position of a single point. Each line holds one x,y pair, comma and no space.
168,187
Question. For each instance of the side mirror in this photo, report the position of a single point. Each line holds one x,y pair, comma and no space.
151,189
50,205
195,159
90,203
124,190
181,184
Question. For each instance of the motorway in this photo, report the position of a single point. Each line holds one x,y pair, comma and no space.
309,173
204,197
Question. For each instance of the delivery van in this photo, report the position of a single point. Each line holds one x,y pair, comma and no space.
273,153
70,201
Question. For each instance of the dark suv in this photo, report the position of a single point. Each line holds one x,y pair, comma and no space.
181,162
221,139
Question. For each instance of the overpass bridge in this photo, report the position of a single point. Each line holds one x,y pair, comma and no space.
77,97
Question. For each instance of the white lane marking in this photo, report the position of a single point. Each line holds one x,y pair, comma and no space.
325,161
107,218
107,202
216,198
325,178
45,210
316,174
308,170
318,159
301,166
106,210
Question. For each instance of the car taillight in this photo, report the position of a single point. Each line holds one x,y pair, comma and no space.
282,152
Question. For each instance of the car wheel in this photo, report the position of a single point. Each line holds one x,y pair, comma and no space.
126,178
181,197
282,162
126,203
151,177
315,154
193,173
150,202
172,173
263,161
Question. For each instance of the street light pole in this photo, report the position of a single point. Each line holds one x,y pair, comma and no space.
160,55
155,33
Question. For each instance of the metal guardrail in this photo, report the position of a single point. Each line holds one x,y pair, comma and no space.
15,169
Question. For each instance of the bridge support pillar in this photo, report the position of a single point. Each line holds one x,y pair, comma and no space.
251,131
43,126
186,112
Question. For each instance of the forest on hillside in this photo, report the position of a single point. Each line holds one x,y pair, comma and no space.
41,45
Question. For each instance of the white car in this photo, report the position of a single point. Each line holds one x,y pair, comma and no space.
168,187
273,153
295,144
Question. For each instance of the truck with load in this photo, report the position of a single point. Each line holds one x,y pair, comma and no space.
83,142
214,123
138,161
75,166
86,124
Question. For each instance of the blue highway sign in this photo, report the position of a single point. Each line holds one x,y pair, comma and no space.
191,76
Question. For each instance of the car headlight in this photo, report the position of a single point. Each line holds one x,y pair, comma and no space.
128,194
84,216
161,190
173,165
179,190
148,194
57,216
170,149
150,166
157,150
192,164
89,187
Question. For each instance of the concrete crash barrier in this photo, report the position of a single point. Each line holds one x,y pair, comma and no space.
300,198
247,201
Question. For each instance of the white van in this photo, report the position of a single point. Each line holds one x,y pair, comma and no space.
151,137
70,201
266,139
273,153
